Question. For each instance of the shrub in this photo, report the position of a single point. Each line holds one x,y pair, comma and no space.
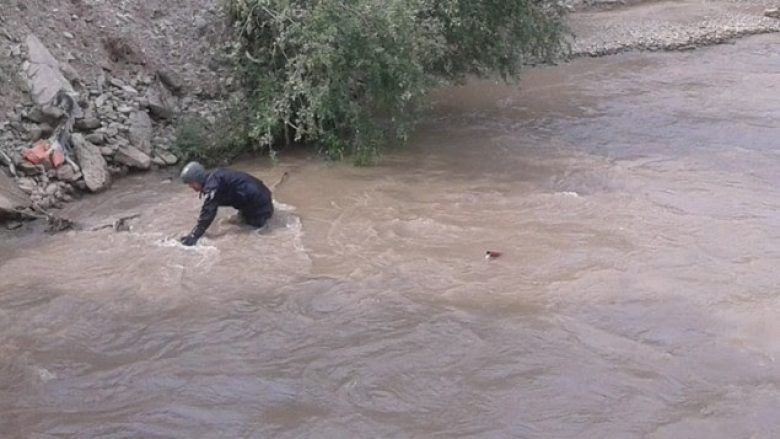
350,75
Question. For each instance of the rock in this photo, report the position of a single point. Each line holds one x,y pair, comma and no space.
52,114
67,173
116,82
52,189
111,132
141,131
125,109
95,138
130,90
772,13
34,115
171,80
106,150
44,77
26,185
101,100
13,225
169,158
157,160
87,123
46,129
44,203
93,165
133,157
29,169
70,74
159,103
11,197
34,133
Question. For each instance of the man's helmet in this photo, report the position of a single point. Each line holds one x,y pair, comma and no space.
194,172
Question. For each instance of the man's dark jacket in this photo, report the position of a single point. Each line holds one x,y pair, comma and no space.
245,193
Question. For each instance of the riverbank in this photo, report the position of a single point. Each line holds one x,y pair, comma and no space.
668,26
134,82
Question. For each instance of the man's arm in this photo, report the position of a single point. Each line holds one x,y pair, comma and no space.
207,214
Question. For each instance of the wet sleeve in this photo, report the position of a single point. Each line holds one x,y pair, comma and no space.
207,214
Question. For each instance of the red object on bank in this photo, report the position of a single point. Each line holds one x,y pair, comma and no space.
39,154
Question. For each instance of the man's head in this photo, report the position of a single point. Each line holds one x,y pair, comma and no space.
194,175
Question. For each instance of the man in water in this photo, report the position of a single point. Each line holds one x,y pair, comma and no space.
226,187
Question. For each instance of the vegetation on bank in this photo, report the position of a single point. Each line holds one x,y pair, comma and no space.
350,75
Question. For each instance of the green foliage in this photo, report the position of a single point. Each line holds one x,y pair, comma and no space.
349,75
215,143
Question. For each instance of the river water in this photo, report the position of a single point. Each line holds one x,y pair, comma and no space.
636,202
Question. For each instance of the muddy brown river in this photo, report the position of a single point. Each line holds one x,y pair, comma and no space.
635,199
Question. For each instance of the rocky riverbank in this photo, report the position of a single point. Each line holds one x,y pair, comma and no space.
659,26
133,69
102,84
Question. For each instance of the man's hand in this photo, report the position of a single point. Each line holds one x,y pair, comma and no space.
189,240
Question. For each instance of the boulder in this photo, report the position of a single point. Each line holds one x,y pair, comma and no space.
87,123
171,80
141,131
44,77
67,173
95,138
11,197
169,158
93,165
159,103
132,157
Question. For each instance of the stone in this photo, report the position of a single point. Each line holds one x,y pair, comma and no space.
111,132
106,150
52,189
130,90
29,169
159,103
93,165
95,138
116,82
26,185
46,129
157,160
44,77
772,13
133,157
67,173
169,158
52,114
141,131
34,133
88,123
101,100
11,197
13,225
171,80
70,73
34,115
